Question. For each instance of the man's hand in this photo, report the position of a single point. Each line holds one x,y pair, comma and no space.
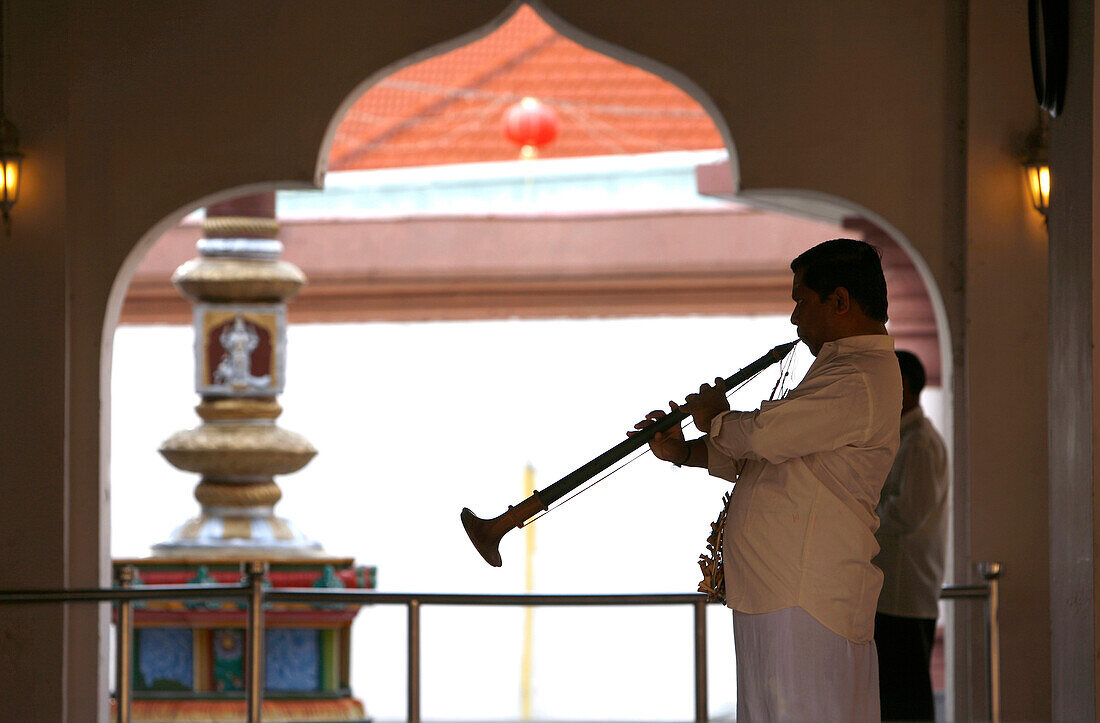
707,404
669,445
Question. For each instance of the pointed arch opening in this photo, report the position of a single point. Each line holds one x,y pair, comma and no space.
654,247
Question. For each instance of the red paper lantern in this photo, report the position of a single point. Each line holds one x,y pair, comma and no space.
530,125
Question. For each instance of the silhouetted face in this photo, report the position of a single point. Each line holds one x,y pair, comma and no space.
811,315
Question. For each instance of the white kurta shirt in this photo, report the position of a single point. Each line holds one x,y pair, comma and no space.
801,521
913,522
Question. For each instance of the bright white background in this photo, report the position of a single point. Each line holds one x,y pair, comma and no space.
413,422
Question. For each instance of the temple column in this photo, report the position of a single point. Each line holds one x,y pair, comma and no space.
239,288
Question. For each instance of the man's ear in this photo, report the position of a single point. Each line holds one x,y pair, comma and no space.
842,301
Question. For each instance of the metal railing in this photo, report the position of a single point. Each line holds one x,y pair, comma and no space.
252,591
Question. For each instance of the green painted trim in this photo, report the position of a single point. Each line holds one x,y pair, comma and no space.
330,660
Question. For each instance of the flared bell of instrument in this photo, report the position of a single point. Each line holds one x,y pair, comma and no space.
482,534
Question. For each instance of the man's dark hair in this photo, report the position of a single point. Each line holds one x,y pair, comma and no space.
855,265
911,370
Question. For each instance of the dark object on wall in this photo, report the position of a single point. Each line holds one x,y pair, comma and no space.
1048,27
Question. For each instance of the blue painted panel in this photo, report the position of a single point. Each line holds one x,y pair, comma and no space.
164,659
293,661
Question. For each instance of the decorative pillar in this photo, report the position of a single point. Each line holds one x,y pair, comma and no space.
239,288
189,661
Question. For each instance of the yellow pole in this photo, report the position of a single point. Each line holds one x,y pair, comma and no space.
528,612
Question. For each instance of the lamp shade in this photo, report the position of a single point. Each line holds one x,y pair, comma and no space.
11,166
11,161
1036,161
1038,184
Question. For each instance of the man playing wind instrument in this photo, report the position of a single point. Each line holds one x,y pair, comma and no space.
800,527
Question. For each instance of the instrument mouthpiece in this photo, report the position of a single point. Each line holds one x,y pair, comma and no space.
784,349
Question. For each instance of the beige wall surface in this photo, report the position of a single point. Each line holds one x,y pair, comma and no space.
129,118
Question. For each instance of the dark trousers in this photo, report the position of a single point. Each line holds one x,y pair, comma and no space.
904,657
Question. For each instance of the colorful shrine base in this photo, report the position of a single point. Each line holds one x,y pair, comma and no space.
225,711
189,655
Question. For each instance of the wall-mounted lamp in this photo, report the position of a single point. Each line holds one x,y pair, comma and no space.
1038,183
1037,167
11,161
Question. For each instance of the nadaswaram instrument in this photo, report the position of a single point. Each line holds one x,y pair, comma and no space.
486,534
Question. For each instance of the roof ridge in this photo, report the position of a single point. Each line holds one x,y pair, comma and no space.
537,46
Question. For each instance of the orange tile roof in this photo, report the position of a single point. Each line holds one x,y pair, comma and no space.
448,109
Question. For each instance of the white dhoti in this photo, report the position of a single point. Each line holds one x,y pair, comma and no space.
790,667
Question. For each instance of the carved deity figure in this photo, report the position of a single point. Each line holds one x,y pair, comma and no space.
235,367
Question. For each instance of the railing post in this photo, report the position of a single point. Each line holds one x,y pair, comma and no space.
257,572
414,661
124,654
991,571
700,607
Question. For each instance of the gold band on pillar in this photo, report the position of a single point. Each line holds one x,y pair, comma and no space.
213,494
240,227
